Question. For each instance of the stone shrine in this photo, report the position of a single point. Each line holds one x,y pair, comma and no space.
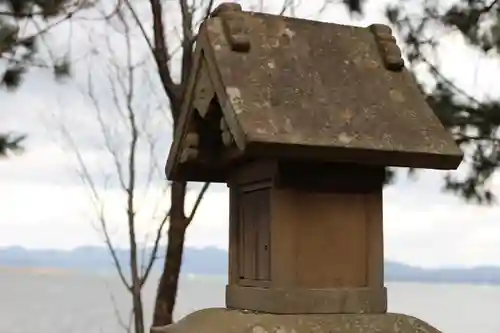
300,119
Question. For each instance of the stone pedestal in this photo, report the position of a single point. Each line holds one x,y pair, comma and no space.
238,321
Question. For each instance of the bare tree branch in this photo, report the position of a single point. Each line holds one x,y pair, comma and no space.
112,250
198,202
42,31
105,132
208,9
287,4
161,56
154,251
490,6
140,25
121,322
187,39
87,178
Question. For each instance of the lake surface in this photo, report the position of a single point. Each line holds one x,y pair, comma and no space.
70,302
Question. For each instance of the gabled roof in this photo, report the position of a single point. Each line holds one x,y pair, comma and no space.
296,88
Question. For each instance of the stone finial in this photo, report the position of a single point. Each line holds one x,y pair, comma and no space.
389,50
226,7
234,25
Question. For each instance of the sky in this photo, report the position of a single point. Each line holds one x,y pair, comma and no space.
45,204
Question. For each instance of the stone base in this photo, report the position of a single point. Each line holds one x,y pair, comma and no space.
307,301
237,321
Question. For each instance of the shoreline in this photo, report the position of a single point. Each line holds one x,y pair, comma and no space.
38,270
61,271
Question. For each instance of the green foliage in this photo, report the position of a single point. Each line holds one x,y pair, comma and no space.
62,69
18,49
354,6
474,123
10,144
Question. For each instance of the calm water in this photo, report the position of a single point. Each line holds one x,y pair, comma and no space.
78,303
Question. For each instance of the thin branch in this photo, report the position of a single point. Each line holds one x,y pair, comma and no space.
490,6
450,83
187,21
31,62
288,4
41,35
187,39
208,10
132,151
107,17
489,139
118,316
140,25
112,250
86,177
105,131
161,55
153,255
154,251
114,90
152,165
198,201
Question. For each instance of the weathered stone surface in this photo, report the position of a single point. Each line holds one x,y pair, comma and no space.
299,300
300,89
233,321
321,84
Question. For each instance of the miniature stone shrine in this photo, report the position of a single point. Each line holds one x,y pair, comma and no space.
300,119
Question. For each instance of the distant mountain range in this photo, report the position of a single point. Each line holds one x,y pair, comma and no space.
213,261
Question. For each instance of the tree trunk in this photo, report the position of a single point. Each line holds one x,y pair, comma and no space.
137,309
167,287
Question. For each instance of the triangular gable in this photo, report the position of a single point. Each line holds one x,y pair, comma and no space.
202,101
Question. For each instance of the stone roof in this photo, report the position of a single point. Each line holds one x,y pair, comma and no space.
294,88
